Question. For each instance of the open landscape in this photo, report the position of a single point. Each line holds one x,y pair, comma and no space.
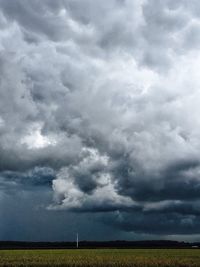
99,133
101,257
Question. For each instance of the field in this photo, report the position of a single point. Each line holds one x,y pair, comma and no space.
101,258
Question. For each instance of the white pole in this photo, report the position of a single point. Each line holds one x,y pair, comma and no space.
77,240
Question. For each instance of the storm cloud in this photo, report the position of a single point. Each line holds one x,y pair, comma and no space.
99,107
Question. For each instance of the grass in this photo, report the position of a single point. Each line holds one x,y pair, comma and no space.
101,258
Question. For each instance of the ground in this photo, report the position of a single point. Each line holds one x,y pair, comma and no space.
101,257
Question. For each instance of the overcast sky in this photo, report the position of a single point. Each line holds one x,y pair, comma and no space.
99,119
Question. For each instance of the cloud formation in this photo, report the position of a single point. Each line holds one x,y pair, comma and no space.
100,101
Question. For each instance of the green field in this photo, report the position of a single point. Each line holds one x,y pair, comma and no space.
101,257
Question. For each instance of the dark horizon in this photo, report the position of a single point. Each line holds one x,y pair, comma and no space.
98,244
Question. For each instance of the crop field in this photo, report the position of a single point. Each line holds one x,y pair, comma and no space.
101,258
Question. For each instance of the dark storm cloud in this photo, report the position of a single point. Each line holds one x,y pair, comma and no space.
100,100
35,177
161,186
167,224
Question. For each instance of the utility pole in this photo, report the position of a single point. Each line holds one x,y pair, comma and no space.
77,240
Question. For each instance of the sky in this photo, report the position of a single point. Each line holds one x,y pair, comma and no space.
99,119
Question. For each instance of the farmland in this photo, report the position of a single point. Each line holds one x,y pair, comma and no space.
101,258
